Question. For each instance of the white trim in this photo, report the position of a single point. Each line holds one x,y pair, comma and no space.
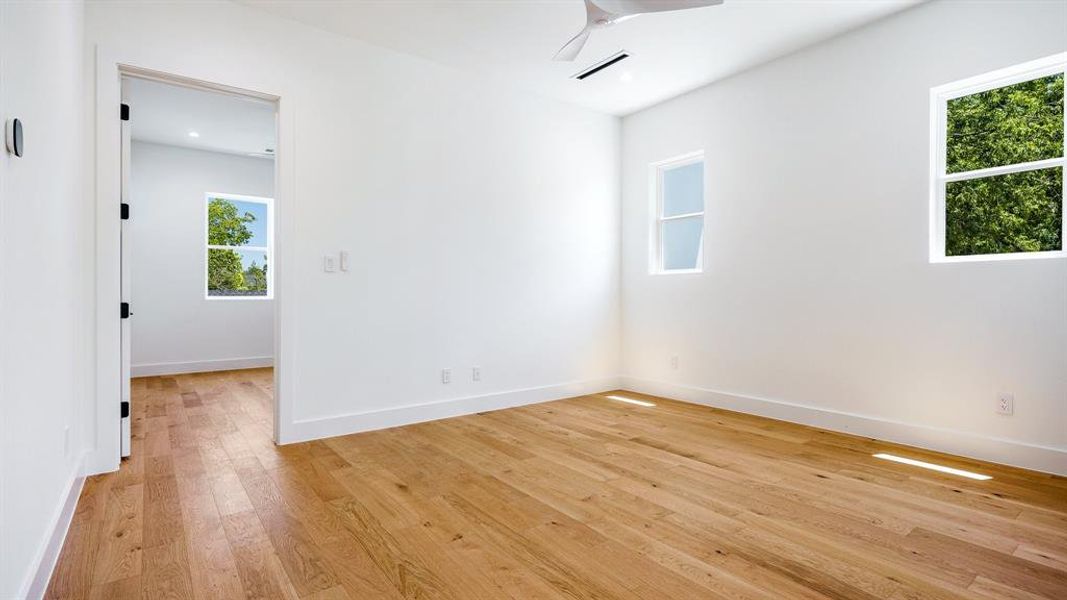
1009,75
679,272
104,438
148,62
939,178
1003,170
268,249
201,366
312,429
657,220
682,216
1015,453
47,555
1000,257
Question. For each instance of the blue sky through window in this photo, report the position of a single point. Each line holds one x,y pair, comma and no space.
257,227
683,189
252,256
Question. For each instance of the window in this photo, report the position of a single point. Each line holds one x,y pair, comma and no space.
997,165
678,228
239,242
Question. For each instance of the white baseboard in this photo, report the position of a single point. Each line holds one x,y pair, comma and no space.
200,366
312,429
996,450
44,563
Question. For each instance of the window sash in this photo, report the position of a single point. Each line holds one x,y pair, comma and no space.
268,249
683,216
657,249
940,178
1036,165
264,249
700,252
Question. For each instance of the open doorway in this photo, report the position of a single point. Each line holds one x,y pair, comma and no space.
197,261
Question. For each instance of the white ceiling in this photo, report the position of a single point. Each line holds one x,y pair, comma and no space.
514,40
166,114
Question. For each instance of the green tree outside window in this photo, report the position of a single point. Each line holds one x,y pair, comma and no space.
232,270
1014,212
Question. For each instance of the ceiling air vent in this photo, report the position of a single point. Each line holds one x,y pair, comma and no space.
600,66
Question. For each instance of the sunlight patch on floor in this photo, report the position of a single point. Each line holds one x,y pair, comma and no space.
932,466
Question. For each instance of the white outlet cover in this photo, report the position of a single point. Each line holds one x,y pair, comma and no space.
446,375
1006,404
329,263
476,373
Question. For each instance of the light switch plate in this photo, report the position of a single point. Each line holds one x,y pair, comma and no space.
329,263
344,260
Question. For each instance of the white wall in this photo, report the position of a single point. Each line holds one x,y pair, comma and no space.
175,329
817,290
45,282
482,221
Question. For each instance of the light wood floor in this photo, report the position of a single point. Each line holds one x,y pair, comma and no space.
582,498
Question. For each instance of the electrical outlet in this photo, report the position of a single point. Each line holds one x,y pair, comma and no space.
446,375
476,373
1006,403
674,362
329,263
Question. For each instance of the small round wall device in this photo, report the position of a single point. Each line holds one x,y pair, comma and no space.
14,137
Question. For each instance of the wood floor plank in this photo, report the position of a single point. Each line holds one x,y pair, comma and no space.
581,498
119,553
166,574
211,563
117,590
73,574
162,508
261,572
289,536
409,576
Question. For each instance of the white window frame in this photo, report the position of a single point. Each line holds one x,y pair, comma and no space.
939,178
657,219
268,249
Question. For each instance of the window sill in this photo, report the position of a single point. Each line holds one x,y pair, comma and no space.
678,272
999,257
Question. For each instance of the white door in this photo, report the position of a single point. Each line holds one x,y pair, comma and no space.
124,278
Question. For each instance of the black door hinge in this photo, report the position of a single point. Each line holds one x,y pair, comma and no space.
125,311
124,409
124,113
124,211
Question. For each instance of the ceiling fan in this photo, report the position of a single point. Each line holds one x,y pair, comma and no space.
605,13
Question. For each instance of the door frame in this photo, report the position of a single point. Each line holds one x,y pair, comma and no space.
111,65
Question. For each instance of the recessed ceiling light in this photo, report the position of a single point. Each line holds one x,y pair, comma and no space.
933,467
194,134
629,400
626,77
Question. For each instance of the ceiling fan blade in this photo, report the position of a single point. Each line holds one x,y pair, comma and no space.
639,7
570,50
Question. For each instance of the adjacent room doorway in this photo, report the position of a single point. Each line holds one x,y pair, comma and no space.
197,262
